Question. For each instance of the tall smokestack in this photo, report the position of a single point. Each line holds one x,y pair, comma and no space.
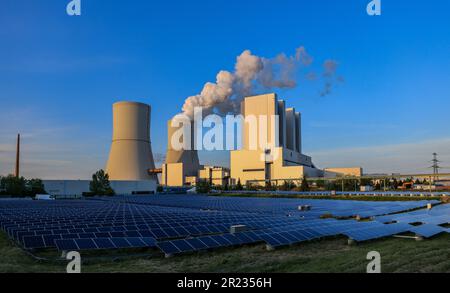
17,171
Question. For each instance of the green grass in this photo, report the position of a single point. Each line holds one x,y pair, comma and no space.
327,255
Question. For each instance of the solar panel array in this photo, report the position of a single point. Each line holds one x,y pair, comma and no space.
429,220
183,223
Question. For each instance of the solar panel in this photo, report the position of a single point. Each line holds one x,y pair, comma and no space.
168,247
49,240
428,230
132,234
85,244
244,238
232,239
183,245
69,236
221,240
209,242
33,242
104,243
196,244
200,222
66,244
149,241
120,243
136,242
377,232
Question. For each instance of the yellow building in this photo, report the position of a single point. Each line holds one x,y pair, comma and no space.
271,144
333,172
214,175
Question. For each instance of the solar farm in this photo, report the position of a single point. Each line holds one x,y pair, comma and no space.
180,224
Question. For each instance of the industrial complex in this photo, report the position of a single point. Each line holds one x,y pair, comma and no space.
270,152
273,155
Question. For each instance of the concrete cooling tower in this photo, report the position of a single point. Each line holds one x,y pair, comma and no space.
131,155
188,157
182,163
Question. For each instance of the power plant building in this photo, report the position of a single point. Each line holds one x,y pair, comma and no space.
271,149
272,146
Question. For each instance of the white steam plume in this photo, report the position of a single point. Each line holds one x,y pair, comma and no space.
251,74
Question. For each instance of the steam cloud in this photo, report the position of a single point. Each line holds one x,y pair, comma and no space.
330,77
253,74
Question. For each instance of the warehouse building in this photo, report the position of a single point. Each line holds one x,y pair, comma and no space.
76,188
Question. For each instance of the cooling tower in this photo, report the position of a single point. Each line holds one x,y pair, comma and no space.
189,157
131,155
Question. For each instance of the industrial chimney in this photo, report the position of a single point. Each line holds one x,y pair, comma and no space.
131,155
17,170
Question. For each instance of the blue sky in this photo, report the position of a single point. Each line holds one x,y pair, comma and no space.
59,75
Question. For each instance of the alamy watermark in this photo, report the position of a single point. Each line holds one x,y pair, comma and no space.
219,133
374,265
74,8
374,8
74,266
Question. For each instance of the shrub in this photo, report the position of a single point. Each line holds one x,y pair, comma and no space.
100,184
203,187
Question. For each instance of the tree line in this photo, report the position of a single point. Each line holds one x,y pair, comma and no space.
20,187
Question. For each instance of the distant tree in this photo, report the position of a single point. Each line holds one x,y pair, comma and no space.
203,186
269,186
320,183
331,185
366,182
239,185
284,186
35,186
251,186
287,185
417,182
100,184
13,186
378,186
304,185
20,187
226,186
345,184
394,183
